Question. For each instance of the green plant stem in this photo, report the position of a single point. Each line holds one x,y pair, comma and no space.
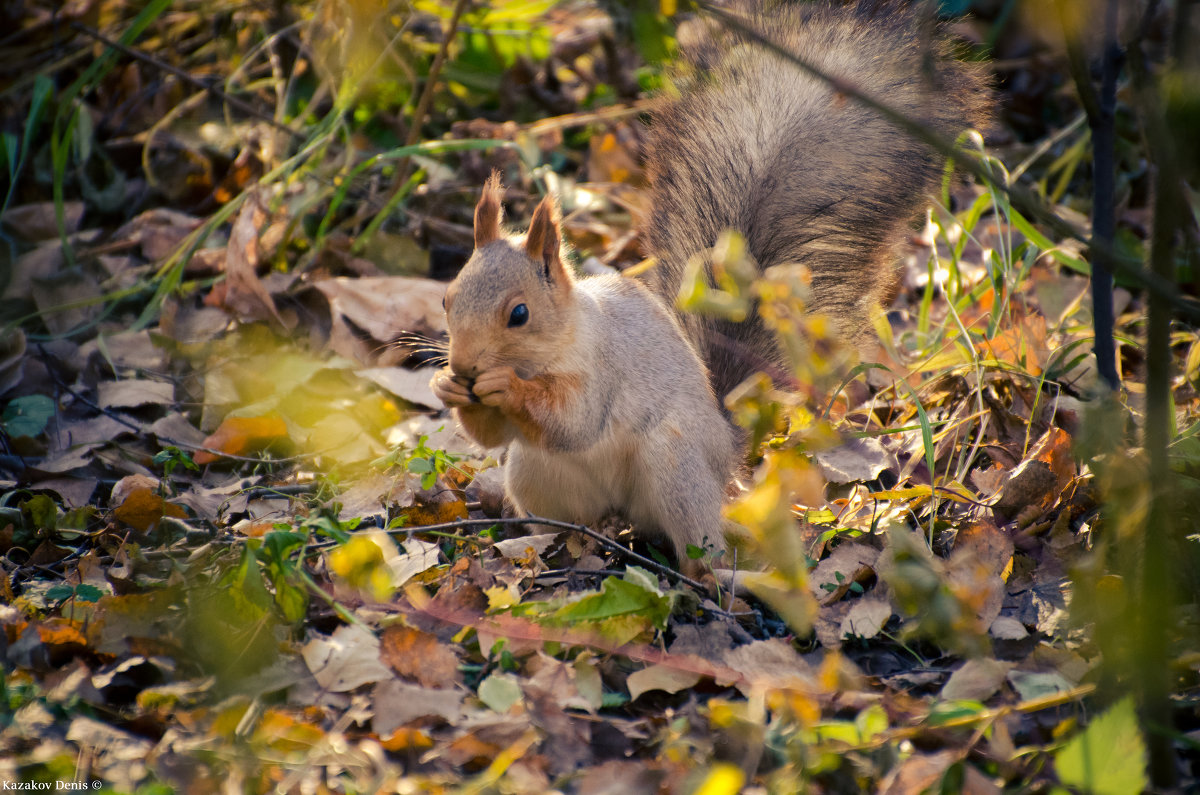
418,119
1156,598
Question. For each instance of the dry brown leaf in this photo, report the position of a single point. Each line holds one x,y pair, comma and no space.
385,308
1023,344
768,664
867,617
159,232
977,570
345,660
977,680
665,677
856,460
135,392
39,220
67,300
849,563
1036,483
918,773
245,295
414,654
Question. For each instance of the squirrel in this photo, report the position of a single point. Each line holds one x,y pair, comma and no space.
606,397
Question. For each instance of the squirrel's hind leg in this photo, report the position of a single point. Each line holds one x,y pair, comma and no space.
680,499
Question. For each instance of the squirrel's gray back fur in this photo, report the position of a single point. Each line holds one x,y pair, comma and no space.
805,174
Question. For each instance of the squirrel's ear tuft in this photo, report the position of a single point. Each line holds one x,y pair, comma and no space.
488,212
542,243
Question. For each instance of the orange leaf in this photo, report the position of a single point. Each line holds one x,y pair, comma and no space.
239,435
404,739
57,634
418,655
142,509
1020,344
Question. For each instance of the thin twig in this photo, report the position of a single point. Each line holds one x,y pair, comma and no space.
578,528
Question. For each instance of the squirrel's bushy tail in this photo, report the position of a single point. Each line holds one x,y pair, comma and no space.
807,175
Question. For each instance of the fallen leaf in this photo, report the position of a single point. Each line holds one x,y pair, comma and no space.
398,703
384,308
241,435
414,654
668,678
976,680
39,220
847,564
410,385
918,773
245,295
345,660
1005,628
856,460
144,509
135,392
867,617
499,691
1030,685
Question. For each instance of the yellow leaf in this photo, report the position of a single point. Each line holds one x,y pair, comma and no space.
722,779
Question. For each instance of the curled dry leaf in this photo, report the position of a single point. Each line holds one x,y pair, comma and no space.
1034,485
245,295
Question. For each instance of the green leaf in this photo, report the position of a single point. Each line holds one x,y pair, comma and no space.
621,597
1108,757
27,416
500,691
41,511
87,593
59,592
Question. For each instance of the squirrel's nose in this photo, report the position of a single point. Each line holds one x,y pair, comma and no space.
463,368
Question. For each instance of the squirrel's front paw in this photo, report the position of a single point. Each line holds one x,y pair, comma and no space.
451,390
497,387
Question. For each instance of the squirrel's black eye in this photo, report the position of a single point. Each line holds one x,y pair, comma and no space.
519,316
